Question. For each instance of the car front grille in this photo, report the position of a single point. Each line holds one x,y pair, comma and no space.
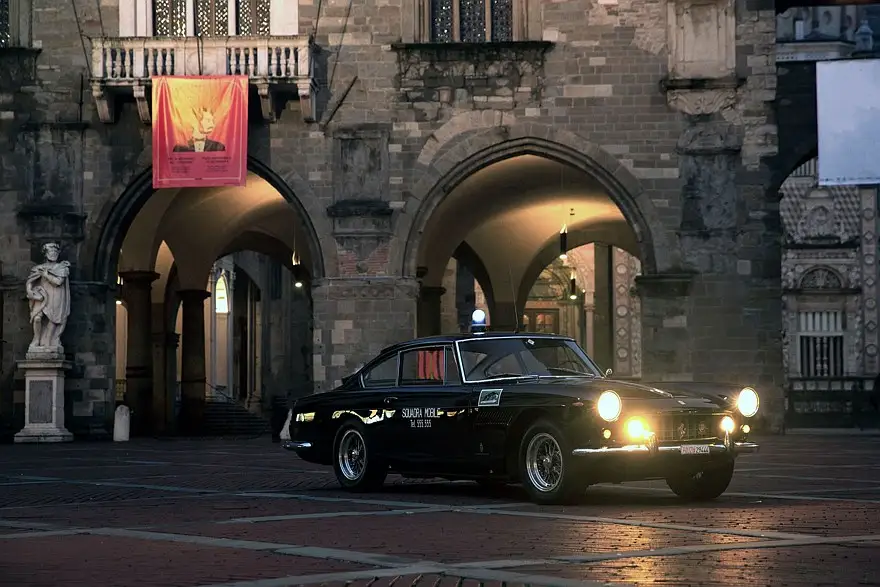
678,427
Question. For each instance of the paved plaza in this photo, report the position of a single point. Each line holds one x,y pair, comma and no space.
245,513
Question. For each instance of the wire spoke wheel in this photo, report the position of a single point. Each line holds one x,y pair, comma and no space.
544,462
352,455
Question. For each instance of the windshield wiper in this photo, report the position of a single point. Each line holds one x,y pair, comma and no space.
512,375
572,371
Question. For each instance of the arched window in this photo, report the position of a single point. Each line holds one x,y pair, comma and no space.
221,296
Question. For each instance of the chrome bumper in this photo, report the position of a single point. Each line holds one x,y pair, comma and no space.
653,448
295,445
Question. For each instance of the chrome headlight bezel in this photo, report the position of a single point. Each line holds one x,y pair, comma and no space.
752,403
609,406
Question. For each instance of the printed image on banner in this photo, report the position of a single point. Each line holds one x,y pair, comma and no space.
199,131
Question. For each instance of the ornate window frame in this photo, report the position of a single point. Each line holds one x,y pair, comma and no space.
417,21
136,18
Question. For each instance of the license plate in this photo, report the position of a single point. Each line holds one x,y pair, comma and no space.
695,449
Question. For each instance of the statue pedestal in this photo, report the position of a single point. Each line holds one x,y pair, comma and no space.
44,398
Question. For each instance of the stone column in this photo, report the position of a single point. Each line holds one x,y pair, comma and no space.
355,318
172,341
430,310
504,317
193,376
164,387
464,296
603,300
137,286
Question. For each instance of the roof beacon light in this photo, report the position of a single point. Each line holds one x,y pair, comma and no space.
478,322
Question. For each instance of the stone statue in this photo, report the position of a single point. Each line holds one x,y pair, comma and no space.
48,293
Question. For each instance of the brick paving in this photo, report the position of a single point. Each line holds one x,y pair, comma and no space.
245,513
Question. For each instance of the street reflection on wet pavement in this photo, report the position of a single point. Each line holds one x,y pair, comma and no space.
244,513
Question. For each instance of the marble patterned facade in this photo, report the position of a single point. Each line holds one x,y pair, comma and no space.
829,268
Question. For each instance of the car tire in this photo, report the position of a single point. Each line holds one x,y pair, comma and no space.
704,485
355,467
545,465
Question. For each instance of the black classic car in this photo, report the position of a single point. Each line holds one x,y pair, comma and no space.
503,408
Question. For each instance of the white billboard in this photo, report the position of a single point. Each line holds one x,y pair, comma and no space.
848,112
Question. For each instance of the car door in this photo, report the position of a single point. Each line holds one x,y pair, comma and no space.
431,422
372,402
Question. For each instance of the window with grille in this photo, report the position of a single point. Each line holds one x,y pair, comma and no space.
471,21
212,18
5,31
820,344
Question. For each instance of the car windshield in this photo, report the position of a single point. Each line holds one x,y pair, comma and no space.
509,357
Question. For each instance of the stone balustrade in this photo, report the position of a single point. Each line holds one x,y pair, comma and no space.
277,66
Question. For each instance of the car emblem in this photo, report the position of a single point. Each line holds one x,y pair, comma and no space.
682,430
682,403
702,428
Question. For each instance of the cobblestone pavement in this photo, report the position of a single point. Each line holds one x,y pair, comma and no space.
246,513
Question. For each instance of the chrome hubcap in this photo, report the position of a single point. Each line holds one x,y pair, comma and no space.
352,455
544,462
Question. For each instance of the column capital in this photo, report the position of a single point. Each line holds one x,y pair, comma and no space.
193,296
138,277
665,285
369,288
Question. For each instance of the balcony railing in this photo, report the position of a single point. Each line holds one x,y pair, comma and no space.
275,65
832,402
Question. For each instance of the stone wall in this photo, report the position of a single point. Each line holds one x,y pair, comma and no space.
684,142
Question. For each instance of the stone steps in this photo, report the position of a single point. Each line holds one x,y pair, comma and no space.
232,419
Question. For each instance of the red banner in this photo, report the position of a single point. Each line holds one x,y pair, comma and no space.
199,131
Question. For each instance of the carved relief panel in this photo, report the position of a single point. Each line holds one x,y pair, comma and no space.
869,275
627,315
702,38
820,215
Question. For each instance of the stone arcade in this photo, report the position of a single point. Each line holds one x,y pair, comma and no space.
416,156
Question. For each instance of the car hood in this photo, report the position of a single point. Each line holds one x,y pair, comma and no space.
628,390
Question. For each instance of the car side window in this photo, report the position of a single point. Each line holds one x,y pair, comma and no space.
383,374
429,366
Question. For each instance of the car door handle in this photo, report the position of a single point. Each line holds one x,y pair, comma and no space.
390,400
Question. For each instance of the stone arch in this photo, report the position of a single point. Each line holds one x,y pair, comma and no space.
100,253
460,156
821,277
549,252
786,164
468,257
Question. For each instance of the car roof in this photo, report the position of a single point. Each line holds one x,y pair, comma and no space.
450,338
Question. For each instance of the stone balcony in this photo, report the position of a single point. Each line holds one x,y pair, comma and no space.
788,51
279,68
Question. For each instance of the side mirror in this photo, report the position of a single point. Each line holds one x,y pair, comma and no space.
608,372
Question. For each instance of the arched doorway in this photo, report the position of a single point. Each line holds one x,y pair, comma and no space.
213,328
520,205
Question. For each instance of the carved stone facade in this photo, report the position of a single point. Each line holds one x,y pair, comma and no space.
382,125
829,269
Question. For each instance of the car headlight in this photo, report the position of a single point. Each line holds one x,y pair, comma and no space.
609,406
747,403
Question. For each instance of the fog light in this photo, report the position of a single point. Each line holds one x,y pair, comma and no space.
746,428
727,424
636,429
606,433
